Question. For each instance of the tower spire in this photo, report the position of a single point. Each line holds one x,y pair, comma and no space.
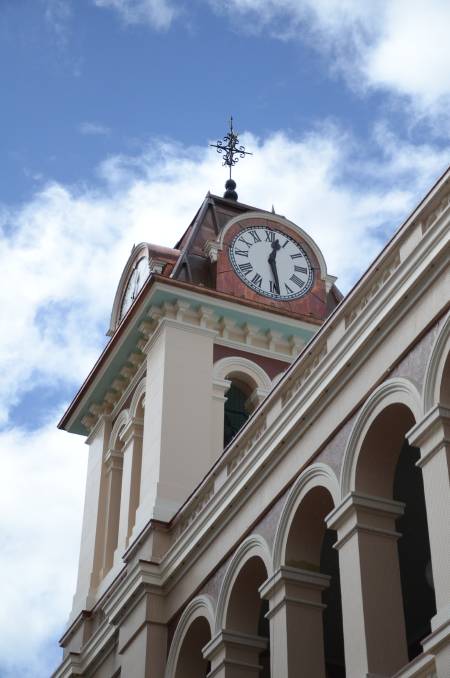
231,150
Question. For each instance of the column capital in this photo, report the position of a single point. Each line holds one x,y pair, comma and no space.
431,434
294,577
236,638
360,512
133,429
220,387
233,648
113,460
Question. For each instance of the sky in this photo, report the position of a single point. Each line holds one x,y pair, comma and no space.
107,111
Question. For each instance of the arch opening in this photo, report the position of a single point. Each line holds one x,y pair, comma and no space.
246,611
386,467
191,663
309,548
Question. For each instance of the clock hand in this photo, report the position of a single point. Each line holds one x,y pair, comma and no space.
273,263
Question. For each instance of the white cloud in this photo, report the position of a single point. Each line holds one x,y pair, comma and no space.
62,252
157,13
61,258
396,45
41,503
93,129
57,15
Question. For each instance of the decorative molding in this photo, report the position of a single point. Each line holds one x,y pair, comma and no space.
211,249
138,397
392,391
316,475
254,545
309,365
224,367
434,212
202,606
188,517
245,444
382,275
438,356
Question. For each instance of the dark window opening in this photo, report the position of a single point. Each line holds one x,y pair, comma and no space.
333,633
419,602
264,632
235,413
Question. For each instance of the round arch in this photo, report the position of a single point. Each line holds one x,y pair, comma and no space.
120,422
255,545
317,475
238,365
202,606
397,391
138,251
138,397
435,367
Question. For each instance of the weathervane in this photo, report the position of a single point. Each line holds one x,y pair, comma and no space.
231,154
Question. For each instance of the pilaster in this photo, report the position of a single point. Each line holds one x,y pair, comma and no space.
131,437
220,387
372,605
234,655
432,436
296,624
177,419
92,532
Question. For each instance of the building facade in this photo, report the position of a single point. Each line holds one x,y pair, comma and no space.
268,480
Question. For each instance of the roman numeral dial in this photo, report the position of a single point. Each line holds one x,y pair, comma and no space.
271,263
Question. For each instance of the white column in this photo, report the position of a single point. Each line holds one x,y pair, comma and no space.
92,532
142,641
372,605
296,623
177,421
219,389
234,655
113,466
432,436
131,478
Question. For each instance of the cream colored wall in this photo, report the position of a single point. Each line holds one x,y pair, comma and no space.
91,547
177,424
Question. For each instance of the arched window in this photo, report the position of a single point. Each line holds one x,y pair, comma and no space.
236,411
239,386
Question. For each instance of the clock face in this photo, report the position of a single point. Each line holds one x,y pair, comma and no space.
271,263
137,278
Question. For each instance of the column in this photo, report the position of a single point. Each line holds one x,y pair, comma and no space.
296,624
234,654
92,533
432,436
372,605
131,479
142,642
176,451
220,387
113,466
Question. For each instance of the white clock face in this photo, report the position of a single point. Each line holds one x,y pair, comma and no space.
271,263
137,278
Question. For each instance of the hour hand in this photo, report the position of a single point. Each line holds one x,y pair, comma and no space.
273,264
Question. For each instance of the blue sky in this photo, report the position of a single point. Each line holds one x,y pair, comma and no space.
108,107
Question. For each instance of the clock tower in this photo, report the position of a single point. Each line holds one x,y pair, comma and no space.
257,446
199,335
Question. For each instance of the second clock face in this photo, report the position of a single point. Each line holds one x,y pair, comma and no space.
271,263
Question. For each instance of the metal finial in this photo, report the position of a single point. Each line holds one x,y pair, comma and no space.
231,154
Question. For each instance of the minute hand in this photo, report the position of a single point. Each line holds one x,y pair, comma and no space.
273,264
